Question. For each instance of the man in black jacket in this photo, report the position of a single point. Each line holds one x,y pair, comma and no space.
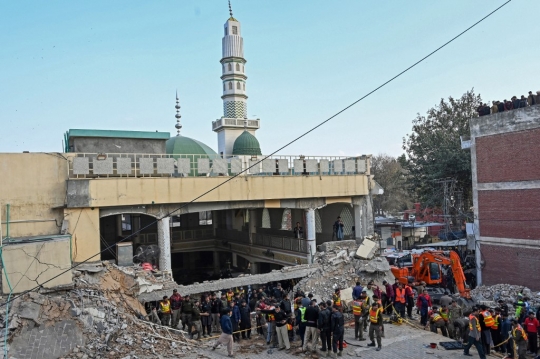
215,310
311,316
323,324
245,320
337,325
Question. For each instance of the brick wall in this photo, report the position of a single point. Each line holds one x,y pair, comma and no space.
513,156
511,265
509,213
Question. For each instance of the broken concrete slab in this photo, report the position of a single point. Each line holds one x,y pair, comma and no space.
92,268
29,310
367,249
330,246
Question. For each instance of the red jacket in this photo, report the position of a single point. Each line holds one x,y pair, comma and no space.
531,326
419,300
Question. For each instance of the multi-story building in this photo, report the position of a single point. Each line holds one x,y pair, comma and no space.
505,150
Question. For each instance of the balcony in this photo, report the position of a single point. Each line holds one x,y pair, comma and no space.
105,165
235,123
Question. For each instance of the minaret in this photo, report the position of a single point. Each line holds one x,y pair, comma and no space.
232,123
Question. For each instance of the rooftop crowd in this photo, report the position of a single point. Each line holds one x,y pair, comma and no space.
498,106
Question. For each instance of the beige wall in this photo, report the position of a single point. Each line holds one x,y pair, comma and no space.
134,191
84,229
33,184
30,264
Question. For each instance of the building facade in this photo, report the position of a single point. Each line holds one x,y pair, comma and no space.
505,150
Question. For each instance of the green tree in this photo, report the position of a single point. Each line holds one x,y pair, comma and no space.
433,149
389,173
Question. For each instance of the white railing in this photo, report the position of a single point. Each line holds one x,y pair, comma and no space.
235,122
93,165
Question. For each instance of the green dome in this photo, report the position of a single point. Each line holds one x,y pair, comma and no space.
246,144
180,145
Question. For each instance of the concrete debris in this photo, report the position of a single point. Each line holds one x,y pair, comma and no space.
490,295
338,267
367,249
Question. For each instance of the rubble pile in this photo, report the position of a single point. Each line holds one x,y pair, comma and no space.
506,292
339,266
106,316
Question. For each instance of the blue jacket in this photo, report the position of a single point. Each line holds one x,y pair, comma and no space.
357,291
506,326
235,314
226,325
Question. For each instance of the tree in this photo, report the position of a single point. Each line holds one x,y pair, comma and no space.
434,151
387,171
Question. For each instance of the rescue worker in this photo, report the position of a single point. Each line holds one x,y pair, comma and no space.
436,321
165,309
230,296
520,307
520,339
486,322
187,309
336,298
410,299
445,314
455,313
176,307
424,303
375,324
474,335
337,324
365,312
357,306
195,321
496,328
323,324
400,300
301,321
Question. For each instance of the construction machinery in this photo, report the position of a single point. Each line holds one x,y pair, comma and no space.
428,267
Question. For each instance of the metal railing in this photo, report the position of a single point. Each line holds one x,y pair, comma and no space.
96,165
233,235
192,235
235,122
285,243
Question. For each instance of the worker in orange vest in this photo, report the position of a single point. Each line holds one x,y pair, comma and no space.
486,322
376,320
409,294
474,335
520,339
165,309
357,309
336,298
436,321
400,300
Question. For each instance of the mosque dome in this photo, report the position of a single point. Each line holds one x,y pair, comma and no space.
181,145
246,144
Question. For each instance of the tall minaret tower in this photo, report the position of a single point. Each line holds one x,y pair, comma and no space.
234,120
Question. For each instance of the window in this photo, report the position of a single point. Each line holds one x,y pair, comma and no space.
237,67
244,86
229,67
286,220
223,87
175,221
230,85
205,218
226,31
265,218
235,30
126,223
238,85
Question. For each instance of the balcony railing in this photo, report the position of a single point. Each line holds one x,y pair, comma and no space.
285,243
236,122
233,235
94,165
192,235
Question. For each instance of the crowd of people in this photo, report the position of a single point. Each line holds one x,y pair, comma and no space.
508,105
280,321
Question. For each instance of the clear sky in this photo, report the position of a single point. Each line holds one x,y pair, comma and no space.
117,64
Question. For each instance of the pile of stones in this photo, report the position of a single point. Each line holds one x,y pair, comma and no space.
490,295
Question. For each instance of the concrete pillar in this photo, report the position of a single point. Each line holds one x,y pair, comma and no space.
252,225
358,225
164,243
311,235
370,225
217,266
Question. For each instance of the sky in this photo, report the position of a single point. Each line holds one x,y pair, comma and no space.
117,64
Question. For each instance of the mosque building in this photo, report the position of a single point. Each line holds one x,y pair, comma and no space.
174,201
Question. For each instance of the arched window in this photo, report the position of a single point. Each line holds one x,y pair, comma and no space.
230,85
237,67
238,85
244,86
265,219
286,220
230,67
347,219
318,222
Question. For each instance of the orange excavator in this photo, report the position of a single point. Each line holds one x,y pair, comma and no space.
426,267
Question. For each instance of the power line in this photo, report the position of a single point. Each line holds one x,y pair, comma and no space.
278,150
